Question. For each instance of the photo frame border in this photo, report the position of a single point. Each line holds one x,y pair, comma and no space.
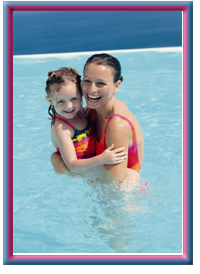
187,255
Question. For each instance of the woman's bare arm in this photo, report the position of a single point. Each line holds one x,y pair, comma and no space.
119,133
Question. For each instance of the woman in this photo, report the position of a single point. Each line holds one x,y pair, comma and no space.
111,120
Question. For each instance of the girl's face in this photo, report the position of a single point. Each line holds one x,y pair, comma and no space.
98,85
67,100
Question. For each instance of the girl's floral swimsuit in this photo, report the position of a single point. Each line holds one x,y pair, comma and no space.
83,140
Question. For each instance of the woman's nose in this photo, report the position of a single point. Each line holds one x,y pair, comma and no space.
93,87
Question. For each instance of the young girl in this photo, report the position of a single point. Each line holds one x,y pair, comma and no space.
70,131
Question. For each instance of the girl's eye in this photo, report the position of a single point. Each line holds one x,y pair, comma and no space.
60,102
74,99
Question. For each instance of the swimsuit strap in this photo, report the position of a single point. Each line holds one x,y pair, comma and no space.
61,119
114,115
119,115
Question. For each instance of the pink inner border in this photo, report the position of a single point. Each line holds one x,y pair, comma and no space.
185,133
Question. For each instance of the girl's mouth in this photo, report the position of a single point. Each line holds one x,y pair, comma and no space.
69,111
93,99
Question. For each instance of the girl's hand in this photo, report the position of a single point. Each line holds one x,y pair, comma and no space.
114,156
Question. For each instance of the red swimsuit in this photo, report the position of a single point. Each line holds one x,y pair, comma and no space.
133,159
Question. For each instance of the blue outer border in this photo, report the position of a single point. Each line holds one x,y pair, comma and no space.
98,3
5,136
190,134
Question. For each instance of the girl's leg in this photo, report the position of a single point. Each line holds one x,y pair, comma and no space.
60,167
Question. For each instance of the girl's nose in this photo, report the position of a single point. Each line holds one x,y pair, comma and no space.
69,105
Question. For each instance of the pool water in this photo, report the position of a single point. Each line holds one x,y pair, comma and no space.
62,214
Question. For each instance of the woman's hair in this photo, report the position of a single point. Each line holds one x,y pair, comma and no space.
106,60
59,77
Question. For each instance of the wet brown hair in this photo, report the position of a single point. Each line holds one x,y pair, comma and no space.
106,60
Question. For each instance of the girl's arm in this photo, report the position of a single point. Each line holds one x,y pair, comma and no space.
69,157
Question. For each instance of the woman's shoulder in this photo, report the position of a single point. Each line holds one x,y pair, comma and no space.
118,131
124,117
118,121
122,109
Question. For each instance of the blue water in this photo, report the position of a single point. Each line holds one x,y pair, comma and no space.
75,31
60,214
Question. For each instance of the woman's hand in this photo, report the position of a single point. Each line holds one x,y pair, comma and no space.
115,156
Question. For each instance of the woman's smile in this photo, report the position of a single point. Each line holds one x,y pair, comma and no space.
93,99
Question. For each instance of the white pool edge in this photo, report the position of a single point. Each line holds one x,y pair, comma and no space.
72,54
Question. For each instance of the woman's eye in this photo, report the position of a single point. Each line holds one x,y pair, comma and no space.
101,84
86,81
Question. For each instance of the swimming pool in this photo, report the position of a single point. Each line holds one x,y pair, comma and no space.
61,214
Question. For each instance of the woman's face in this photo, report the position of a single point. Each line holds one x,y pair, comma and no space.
98,85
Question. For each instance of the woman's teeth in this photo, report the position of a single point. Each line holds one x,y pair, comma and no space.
94,98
